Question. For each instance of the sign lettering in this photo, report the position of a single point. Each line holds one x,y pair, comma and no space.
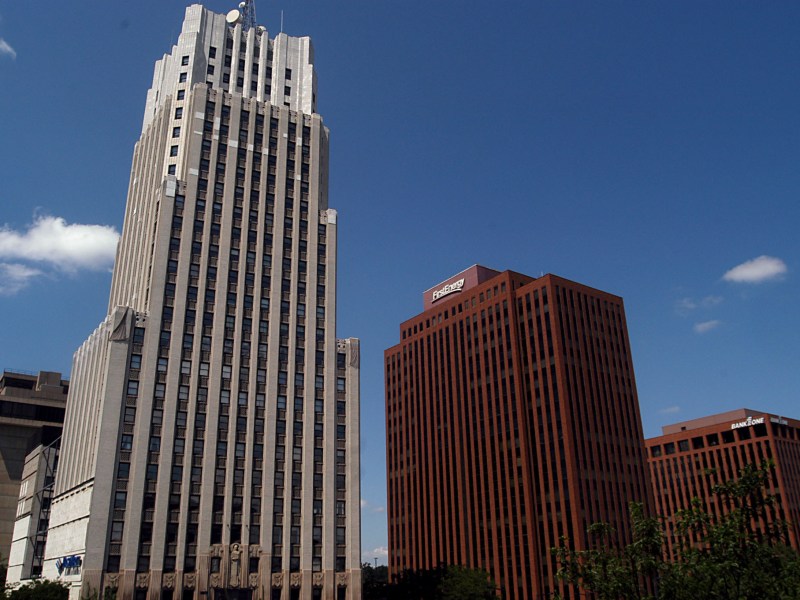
748,423
450,288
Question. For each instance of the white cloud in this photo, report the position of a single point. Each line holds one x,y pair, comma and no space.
706,326
365,505
670,410
66,246
14,277
757,270
686,305
6,49
379,552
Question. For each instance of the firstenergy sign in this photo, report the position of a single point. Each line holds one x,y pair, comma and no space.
450,288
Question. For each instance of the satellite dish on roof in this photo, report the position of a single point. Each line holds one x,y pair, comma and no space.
233,17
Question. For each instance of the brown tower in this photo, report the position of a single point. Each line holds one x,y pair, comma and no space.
512,420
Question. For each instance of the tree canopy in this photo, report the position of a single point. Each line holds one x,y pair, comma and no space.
740,555
446,582
40,589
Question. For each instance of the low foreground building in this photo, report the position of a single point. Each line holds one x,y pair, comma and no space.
31,414
691,457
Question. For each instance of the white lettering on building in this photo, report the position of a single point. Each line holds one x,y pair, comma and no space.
456,286
748,423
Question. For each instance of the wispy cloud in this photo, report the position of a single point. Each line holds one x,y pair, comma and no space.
379,552
686,305
15,277
65,246
6,49
757,270
365,505
706,326
670,410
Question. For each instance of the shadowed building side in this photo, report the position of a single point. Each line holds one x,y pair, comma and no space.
31,414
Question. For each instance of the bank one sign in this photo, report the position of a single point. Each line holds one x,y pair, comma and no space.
749,422
450,288
69,565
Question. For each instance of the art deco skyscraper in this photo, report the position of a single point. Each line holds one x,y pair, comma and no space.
211,447
512,420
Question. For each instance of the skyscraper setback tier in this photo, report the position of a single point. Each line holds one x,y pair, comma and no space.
512,420
211,447
691,457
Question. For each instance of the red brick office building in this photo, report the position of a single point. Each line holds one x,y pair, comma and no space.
512,420
693,456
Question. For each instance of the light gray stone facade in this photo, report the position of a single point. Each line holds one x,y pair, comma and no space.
211,449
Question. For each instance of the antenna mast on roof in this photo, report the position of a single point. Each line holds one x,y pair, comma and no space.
249,13
245,15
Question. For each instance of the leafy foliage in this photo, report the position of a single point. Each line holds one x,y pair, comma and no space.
3,573
374,581
40,589
445,582
740,555
463,583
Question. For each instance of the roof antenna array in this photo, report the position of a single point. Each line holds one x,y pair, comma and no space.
245,14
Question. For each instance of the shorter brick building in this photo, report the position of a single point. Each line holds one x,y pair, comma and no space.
691,457
31,414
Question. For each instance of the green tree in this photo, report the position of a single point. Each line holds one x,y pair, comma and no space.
40,589
611,573
445,582
741,555
3,573
463,583
374,582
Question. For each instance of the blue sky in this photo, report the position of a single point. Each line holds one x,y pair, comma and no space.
647,149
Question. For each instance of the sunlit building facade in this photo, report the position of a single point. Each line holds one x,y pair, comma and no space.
211,449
